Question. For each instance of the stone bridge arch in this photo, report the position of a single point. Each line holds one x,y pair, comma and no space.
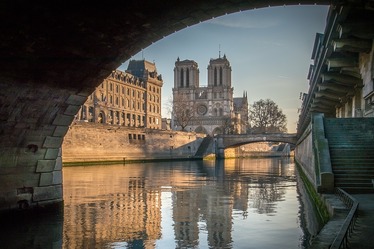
52,56
228,141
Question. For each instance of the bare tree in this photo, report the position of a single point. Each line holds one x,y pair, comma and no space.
266,116
183,110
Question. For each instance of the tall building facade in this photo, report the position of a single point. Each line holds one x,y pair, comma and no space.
131,98
209,109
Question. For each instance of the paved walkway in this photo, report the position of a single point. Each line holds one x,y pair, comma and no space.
363,233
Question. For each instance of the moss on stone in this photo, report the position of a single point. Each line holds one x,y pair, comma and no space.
322,211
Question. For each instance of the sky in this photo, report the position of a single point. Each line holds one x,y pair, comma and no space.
269,51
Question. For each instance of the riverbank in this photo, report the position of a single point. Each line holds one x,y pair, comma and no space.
128,161
90,143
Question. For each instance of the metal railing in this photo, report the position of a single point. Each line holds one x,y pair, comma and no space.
341,240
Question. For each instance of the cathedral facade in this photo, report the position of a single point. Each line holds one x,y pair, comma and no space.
209,109
131,98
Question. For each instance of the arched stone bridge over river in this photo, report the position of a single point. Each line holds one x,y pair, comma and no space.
226,141
52,56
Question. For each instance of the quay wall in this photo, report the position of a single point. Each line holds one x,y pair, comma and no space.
304,154
92,142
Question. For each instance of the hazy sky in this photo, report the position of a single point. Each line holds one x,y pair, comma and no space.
269,51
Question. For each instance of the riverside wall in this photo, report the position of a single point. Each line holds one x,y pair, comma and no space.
94,143
304,155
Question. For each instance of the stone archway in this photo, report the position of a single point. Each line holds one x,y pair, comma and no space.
217,130
201,129
52,58
101,118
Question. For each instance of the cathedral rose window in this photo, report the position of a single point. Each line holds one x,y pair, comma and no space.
201,109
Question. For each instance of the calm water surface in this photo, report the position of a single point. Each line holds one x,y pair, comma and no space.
246,203
238,203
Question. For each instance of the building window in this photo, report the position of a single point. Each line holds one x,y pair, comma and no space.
182,77
187,77
215,76
220,76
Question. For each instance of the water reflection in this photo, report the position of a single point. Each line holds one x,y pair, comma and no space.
246,203
124,206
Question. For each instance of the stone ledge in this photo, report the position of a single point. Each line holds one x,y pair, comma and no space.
52,142
47,193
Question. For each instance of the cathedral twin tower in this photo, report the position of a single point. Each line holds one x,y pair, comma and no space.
210,109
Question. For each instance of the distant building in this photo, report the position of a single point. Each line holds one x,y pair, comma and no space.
207,109
131,98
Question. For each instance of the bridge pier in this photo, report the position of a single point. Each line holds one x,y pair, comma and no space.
34,121
220,148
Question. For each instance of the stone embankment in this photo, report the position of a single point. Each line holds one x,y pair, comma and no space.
98,143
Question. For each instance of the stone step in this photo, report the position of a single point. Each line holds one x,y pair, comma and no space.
344,153
358,190
368,169
360,180
354,160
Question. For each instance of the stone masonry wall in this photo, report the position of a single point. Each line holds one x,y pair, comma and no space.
304,154
90,142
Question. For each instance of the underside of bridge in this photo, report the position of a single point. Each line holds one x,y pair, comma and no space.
52,56
339,72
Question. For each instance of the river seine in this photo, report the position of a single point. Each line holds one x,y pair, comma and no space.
233,203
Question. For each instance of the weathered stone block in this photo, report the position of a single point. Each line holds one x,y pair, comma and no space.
47,193
28,159
72,110
64,120
76,100
52,142
57,177
51,154
58,165
60,131
46,179
45,165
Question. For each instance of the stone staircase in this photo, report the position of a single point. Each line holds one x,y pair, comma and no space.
351,143
201,151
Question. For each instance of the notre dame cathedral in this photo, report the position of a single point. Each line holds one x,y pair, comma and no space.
209,109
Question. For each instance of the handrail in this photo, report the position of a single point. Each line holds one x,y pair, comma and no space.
341,240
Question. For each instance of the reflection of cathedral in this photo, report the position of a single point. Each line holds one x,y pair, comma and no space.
212,108
131,98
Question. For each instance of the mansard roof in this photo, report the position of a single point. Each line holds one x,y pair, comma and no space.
138,67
